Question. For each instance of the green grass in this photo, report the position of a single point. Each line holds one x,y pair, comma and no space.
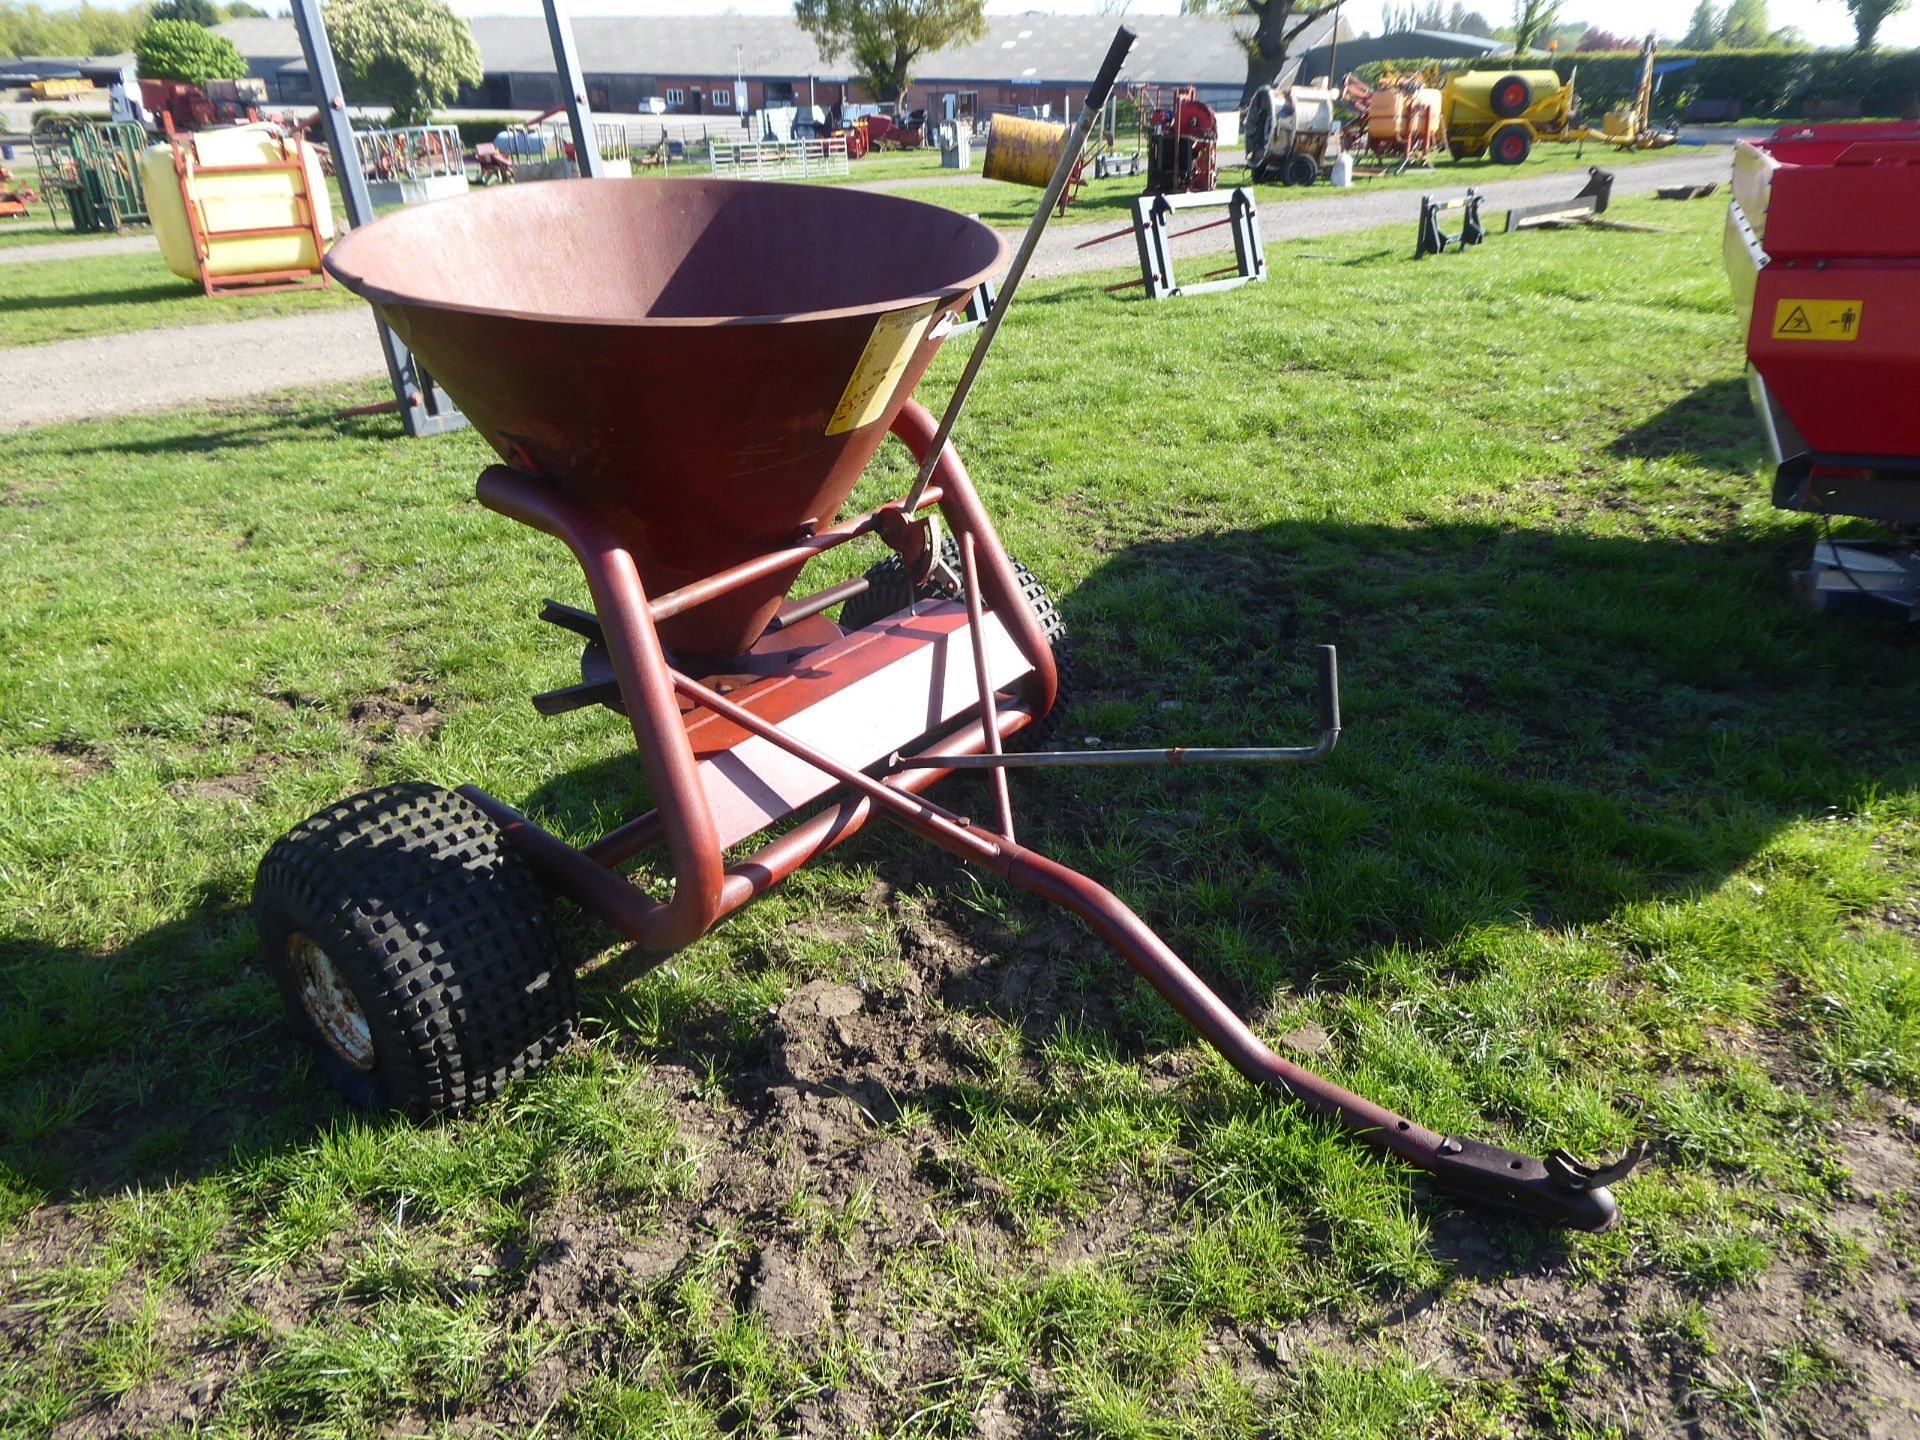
880,166
43,301
1611,847
37,229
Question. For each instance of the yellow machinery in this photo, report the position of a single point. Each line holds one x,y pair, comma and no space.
1634,129
69,88
1503,115
1399,117
243,208
1022,151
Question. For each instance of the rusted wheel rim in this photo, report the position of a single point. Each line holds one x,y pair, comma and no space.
332,1007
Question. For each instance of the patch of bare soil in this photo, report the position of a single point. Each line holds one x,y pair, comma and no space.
836,1063
385,718
77,759
805,1193
1811,1349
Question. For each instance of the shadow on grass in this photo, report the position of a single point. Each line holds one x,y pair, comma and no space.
1540,725
1710,426
251,422
164,1056
158,292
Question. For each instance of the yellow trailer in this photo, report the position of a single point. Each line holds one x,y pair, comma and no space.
1502,115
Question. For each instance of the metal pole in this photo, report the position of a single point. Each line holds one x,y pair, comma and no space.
1326,660
573,90
1076,138
424,407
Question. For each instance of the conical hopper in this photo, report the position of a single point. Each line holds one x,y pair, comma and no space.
709,364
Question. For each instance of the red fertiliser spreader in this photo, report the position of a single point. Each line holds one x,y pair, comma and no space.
589,329
1822,246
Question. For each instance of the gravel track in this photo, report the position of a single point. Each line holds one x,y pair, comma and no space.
182,366
78,249
109,375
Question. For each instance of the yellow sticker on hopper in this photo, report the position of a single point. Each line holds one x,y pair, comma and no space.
1818,319
881,365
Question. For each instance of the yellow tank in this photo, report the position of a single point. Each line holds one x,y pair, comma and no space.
1479,102
1476,89
237,200
1023,152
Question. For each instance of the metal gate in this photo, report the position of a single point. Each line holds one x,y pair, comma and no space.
92,168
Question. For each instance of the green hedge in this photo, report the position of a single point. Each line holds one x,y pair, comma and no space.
481,131
1765,82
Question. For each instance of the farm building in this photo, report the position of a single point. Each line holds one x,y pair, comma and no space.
1320,58
697,65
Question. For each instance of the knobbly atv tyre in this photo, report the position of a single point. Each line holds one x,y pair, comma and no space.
887,593
413,949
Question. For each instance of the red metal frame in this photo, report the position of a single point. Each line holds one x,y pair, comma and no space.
664,704
1825,227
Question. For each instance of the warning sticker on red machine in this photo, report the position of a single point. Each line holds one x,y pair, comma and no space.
881,365
1818,319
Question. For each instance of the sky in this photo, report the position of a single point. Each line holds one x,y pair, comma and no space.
1823,22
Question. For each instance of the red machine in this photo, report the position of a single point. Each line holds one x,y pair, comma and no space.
855,133
15,199
187,106
1183,143
1822,245
886,133
408,928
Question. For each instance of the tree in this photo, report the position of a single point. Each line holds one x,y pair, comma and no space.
885,39
1396,18
1744,26
1276,25
1867,15
199,12
1463,21
414,56
32,29
1532,20
181,50
1704,29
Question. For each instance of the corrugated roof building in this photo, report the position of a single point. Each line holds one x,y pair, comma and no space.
1321,58
696,64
